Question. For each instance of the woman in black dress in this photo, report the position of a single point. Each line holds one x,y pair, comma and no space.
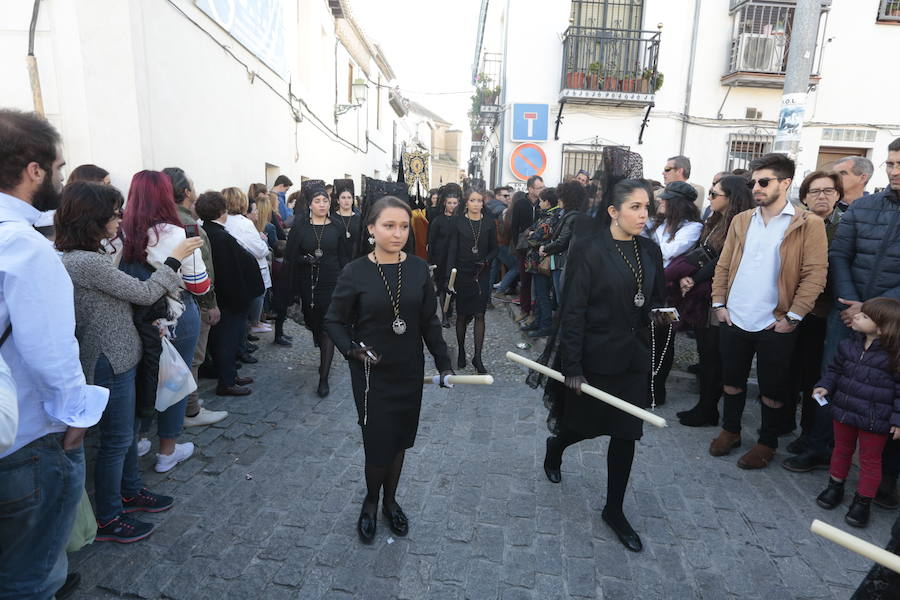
614,278
472,247
345,213
439,229
317,249
381,311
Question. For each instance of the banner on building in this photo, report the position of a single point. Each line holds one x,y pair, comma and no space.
258,26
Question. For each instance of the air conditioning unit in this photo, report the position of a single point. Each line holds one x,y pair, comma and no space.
760,52
753,113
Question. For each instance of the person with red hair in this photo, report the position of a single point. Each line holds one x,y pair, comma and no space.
152,230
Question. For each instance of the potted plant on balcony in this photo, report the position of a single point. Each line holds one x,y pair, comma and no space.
593,78
629,82
477,134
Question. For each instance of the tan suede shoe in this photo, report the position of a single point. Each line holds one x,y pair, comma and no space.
725,443
758,457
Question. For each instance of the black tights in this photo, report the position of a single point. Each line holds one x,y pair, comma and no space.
619,458
326,354
387,477
462,322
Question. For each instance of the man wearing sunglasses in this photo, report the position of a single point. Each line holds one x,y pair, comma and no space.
771,270
678,168
865,264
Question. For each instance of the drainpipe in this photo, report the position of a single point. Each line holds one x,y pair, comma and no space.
503,91
690,77
31,62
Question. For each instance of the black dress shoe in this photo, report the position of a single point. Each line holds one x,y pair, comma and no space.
479,366
832,495
246,358
698,419
282,341
798,446
530,327
234,390
251,347
622,528
365,527
553,472
461,359
806,462
68,588
252,338
243,380
323,390
289,338
397,521
860,509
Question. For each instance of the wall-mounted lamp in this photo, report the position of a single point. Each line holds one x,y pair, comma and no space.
360,93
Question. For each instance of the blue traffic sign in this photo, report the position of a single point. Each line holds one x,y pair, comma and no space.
530,122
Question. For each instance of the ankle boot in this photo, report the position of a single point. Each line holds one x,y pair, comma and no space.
832,495
552,461
858,515
699,416
887,497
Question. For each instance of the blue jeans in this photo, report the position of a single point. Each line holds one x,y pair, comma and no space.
542,301
40,488
512,269
187,332
116,472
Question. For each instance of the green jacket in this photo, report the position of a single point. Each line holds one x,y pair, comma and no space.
208,300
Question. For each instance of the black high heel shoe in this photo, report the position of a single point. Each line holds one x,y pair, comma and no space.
623,530
323,390
479,366
553,473
461,359
397,520
365,526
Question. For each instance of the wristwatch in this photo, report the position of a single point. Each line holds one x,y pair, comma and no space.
791,320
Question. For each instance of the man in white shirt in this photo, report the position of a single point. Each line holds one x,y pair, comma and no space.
42,473
9,408
771,271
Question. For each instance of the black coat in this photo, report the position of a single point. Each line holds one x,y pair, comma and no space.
558,246
238,280
523,215
601,331
865,254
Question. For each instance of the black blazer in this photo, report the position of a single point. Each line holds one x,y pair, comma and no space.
523,216
238,280
601,332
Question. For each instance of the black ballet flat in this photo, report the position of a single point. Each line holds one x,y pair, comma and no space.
461,359
479,366
365,527
323,390
553,474
628,536
397,521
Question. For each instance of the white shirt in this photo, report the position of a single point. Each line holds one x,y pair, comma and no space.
9,408
244,231
754,291
683,240
36,296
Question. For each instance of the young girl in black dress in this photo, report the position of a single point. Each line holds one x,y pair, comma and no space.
473,245
345,213
318,250
439,230
382,310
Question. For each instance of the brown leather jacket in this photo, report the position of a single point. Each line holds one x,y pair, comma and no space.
804,262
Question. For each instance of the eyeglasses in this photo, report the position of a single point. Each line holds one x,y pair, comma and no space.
890,166
764,182
713,194
823,192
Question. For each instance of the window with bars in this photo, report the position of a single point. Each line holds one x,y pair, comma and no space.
762,34
745,147
889,11
608,14
577,157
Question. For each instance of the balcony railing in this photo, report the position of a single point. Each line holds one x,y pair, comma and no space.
889,11
610,66
736,4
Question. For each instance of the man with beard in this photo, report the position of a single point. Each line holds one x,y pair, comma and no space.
770,272
42,474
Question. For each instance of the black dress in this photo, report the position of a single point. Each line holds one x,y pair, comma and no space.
351,229
439,230
473,269
604,336
314,283
361,311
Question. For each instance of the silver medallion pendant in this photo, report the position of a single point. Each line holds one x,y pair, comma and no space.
399,326
639,299
474,249
348,235
318,253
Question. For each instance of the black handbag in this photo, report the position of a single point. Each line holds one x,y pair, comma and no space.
699,256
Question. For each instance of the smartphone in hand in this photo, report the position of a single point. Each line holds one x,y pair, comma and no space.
192,230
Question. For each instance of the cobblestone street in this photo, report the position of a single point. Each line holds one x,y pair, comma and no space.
267,507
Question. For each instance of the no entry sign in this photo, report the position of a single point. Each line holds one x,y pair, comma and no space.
527,160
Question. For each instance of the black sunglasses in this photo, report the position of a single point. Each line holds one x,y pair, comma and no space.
764,182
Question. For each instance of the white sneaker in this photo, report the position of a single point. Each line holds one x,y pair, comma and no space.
143,446
205,417
165,462
261,328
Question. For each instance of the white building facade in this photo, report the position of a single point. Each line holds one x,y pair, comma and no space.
702,78
233,92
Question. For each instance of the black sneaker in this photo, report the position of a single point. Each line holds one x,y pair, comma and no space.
806,462
147,501
123,530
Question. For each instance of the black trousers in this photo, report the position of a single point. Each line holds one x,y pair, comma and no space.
225,342
710,366
774,352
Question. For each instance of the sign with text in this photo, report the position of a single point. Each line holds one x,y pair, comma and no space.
258,26
527,160
530,122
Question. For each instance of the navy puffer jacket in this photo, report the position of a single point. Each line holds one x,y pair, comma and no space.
864,256
863,388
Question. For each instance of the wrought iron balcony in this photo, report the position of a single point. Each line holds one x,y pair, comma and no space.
610,66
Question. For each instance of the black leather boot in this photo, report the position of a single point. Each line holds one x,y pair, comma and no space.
832,495
858,515
887,497
552,461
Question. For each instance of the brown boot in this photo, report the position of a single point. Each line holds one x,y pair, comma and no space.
758,457
725,443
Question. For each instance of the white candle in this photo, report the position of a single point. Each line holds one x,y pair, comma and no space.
860,546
